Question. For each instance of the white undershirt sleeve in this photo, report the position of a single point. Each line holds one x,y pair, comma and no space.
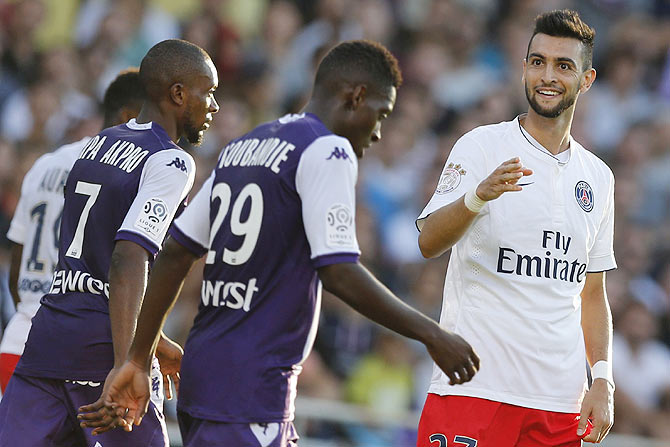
21,220
191,228
163,186
326,180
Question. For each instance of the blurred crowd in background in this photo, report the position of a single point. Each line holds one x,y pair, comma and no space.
462,62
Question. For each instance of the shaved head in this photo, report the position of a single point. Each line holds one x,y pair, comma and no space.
168,62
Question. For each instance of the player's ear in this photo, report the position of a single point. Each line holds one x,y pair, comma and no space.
587,80
358,95
177,93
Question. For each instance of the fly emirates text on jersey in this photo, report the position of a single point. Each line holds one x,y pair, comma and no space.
548,266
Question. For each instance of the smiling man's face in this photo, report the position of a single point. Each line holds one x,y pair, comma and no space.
554,74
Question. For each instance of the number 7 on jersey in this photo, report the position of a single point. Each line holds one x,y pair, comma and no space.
92,190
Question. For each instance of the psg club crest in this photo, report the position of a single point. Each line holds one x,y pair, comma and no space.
450,178
584,195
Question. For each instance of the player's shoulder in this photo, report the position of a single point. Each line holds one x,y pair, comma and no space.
150,136
307,131
592,161
68,153
173,158
481,140
63,157
331,152
491,131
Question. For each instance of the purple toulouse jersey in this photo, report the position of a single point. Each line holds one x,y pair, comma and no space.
126,185
279,204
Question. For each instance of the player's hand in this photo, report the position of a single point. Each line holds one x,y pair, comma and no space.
454,356
503,179
101,417
124,402
169,356
598,406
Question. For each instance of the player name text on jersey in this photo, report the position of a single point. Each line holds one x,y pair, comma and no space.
54,180
269,153
122,154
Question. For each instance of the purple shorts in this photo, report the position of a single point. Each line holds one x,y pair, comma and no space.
200,432
43,413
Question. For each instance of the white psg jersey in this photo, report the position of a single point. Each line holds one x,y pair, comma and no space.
514,280
36,225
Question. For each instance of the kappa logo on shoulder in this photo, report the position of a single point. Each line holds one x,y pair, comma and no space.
339,153
178,163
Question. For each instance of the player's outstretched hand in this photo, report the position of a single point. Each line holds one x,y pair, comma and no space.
169,356
102,418
598,407
454,356
122,404
503,179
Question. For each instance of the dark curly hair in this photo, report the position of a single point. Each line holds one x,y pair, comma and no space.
360,61
566,23
124,91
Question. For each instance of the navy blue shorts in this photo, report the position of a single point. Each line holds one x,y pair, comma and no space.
200,432
37,412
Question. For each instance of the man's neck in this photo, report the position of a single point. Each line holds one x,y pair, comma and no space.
318,108
151,113
552,133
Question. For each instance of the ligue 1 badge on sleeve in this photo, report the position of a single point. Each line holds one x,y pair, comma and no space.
584,195
450,178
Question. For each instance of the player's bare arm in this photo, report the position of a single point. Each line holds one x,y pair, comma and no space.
356,286
130,389
14,270
446,226
598,404
127,279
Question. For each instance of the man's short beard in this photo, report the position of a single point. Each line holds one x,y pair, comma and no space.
193,136
555,112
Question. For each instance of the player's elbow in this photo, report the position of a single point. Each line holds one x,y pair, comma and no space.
427,247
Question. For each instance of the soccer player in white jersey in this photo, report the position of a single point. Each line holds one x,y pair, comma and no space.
528,214
36,222
275,220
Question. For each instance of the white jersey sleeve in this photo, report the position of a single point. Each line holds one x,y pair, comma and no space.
326,186
21,219
464,169
601,255
194,221
161,190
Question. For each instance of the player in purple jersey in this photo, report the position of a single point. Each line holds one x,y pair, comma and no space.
36,222
120,198
275,220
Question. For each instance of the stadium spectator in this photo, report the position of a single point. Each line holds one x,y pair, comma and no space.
641,372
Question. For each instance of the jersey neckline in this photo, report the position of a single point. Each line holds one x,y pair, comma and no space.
538,148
